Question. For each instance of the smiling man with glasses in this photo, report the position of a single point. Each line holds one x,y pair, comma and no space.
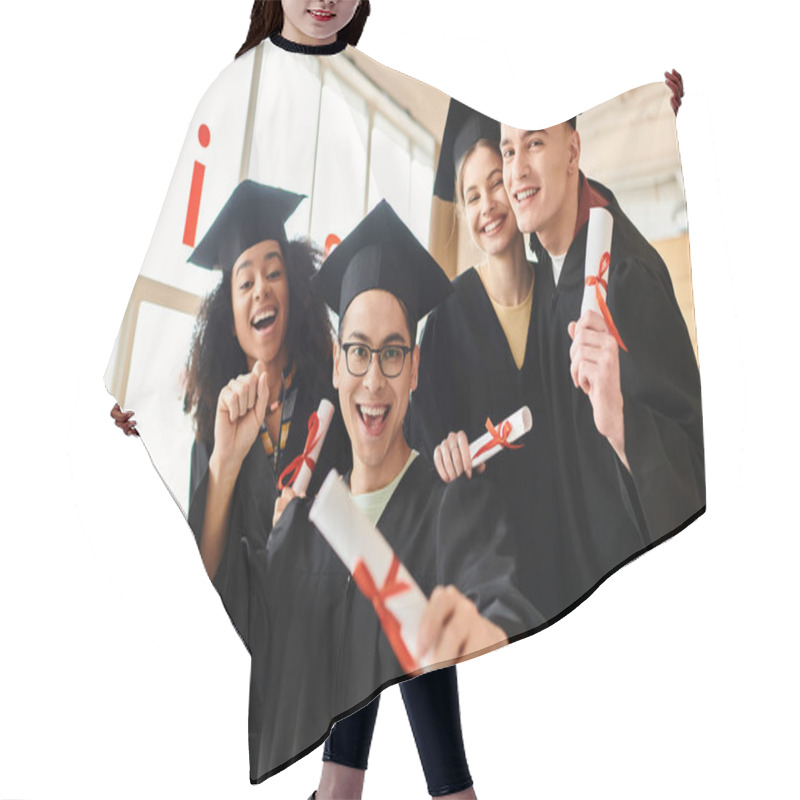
452,538
391,358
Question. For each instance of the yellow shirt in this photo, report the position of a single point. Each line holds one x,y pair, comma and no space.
515,321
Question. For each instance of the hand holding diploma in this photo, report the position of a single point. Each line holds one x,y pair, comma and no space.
421,631
597,268
452,628
594,354
298,473
286,496
594,368
398,601
295,478
454,456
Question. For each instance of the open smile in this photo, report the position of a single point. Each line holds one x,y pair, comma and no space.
373,417
493,226
264,322
525,194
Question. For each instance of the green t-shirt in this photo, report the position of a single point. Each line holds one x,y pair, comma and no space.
373,503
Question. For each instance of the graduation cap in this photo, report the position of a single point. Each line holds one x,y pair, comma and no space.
382,253
463,128
254,213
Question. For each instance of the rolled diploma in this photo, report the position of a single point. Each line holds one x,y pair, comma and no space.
354,538
325,415
598,241
521,422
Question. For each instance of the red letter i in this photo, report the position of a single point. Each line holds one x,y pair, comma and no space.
331,243
193,211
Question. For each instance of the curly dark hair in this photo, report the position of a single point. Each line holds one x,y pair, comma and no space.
266,19
215,356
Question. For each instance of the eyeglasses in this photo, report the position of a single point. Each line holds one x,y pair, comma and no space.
358,357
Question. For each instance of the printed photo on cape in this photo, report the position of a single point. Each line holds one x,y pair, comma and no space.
347,133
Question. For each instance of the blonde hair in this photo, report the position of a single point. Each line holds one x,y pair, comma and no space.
483,142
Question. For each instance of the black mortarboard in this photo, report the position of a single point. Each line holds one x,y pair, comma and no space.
254,212
382,253
463,128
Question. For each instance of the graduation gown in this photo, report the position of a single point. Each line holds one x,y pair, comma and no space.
577,513
255,493
466,374
607,514
326,654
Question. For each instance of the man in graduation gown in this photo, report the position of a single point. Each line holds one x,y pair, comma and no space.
627,441
326,653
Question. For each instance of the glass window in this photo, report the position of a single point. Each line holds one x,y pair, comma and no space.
341,162
155,391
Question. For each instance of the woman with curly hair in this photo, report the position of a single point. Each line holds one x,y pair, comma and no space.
259,364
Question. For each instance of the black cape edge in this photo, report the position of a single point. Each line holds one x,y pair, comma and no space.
699,513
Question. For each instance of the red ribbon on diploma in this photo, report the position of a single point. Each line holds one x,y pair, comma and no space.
378,597
291,472
599,281
499,437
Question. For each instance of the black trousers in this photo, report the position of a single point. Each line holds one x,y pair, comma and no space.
431,702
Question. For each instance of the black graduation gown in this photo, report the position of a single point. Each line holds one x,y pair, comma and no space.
607,514
326,654
576,512
256,490
466,374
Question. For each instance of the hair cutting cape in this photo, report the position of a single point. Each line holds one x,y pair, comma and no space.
549,520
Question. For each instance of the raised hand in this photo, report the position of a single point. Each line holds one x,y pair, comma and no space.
594,368
241,408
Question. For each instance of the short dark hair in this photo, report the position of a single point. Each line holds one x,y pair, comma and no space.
573,123
410,322
266,19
